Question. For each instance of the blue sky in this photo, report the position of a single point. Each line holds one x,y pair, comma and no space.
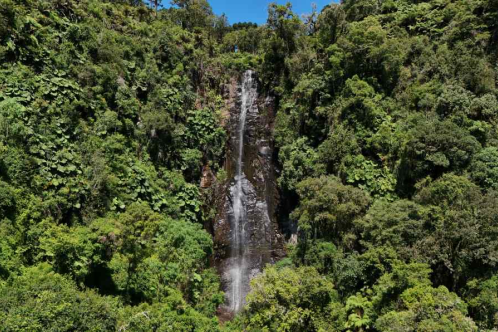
256,10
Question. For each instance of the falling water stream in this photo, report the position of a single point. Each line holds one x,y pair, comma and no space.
245,234
239,269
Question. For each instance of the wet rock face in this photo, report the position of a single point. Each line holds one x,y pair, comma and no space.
245,231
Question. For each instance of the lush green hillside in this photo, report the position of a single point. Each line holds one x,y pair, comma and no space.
387,141
387,128
106,120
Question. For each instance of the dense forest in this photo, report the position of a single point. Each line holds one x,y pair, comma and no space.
386,145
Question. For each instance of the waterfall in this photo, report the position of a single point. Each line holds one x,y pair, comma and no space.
238,270
245,232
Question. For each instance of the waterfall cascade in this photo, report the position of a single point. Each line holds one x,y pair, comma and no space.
238,269
249,202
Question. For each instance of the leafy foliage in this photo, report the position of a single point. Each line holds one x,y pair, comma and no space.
102,142
292,300
42,300
385,144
